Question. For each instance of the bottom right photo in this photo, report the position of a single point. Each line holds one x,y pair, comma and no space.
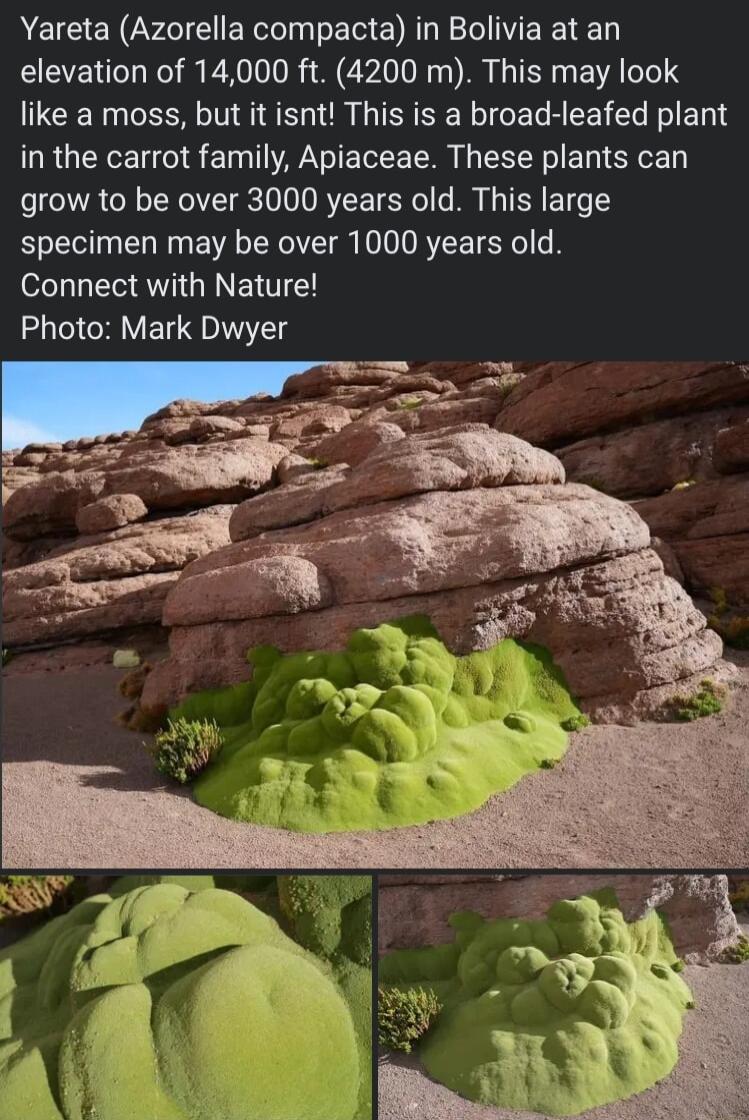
611,995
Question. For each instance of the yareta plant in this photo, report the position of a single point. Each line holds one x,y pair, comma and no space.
167,1004
555,1016
393,730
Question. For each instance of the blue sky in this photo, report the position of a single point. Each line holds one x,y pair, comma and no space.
64,400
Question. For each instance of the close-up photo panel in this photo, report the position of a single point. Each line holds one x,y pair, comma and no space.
374,733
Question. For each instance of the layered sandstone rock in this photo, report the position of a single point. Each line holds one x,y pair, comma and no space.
414,912
473,528
671,433
94,584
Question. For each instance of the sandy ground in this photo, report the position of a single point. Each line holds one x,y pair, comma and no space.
80,792
709,1083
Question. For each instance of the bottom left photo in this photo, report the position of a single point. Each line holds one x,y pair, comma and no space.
186,997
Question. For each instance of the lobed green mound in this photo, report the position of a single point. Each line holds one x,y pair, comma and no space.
554,1016
168,1004
394,730
331,915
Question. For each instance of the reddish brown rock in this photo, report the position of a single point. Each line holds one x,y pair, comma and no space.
110,513
461,459
639,462
320,380
561,402
731,453
108,581
486,553
172,478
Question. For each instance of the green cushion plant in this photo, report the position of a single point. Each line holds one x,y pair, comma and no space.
393,730
555,1016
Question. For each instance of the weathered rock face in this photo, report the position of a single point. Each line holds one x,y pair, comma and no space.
479,532
380,488
94,584
673,433
415,913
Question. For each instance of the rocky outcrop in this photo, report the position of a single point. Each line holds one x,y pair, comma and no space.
473,528
669,436
415,912
403,486
94,584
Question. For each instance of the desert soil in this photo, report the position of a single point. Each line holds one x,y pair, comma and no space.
81,792
709,1082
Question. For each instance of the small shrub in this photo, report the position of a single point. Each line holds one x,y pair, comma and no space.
707,702
738,953
576,723
410,402
403,1018
318,464
28,894
186,747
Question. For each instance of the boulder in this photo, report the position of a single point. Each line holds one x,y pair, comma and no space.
110,513
106,581
474,529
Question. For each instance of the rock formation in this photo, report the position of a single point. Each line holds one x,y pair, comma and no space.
374,490
669,436
474,529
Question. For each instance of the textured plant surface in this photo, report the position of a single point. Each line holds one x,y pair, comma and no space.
331,915
738,953
404,1017
555,1016
394,730
185,748
708,701
167,1004
28,894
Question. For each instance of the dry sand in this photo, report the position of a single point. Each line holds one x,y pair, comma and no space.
81,792
709,1083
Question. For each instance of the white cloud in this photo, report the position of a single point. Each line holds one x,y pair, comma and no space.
18,432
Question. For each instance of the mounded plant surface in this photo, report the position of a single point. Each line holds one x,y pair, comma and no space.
168,1004
554,1016
393,730
331,915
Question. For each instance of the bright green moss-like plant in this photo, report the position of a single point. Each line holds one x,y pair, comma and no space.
392,730
738,953
404,1017
576,723
409,403
30,894
708,701
555,1016
331,915
166,1004
186,747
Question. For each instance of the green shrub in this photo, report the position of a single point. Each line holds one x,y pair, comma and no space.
318,464
687,484
410,402
707,702
738,953
576,723
186,747
405,1017
28,894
